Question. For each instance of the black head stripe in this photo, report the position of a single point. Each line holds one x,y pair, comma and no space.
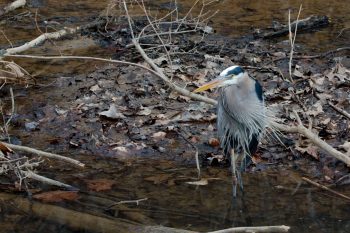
237,70
258,90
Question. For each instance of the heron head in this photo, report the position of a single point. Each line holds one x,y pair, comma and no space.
230,76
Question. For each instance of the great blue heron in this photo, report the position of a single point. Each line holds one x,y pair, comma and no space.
241,115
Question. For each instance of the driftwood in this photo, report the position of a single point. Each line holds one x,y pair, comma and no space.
12,6
310,23
44,154
81,221
269,229
51,36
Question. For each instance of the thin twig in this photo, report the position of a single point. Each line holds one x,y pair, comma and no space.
345,113
128,202
292,40
196,154
157,73
12,113
325,188
43,179
8,40
157,34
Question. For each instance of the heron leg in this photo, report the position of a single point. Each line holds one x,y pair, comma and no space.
234,173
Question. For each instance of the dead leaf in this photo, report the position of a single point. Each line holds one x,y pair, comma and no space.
201,182
315,109
326,121
346,147
339,71
112,113
194,139
309,149
214,142
15,69
161,116
324,96
159,135
279,54
95,88
145,111
200,77
158,179
298,74
99,185
121,149
5,149
57,196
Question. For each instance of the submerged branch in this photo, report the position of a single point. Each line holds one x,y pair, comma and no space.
326,188
43,179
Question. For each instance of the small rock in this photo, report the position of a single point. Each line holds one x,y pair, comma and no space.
31,126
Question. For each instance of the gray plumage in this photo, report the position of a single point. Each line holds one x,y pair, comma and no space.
241,117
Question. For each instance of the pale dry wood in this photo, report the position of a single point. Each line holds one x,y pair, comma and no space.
13,6
40,39
271,229
44,154
32,175
314,138
50,36
345,113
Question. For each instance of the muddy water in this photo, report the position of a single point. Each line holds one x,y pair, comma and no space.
269,197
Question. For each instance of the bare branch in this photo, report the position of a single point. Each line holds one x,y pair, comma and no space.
180,90
292,40
44,154
43,179
40,39
315,139
13,6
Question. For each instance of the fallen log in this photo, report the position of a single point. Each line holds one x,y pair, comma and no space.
311,23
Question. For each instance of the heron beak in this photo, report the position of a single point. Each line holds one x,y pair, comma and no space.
212,84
